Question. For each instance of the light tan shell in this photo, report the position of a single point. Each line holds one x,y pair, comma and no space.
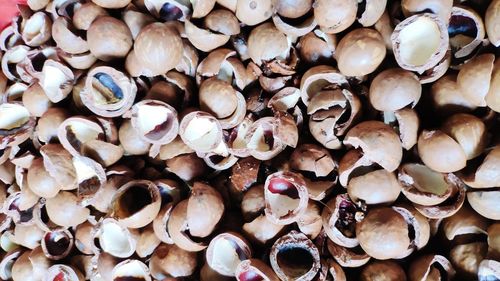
360,52
394,89
379,143
474,79
434,145
335,16
492,22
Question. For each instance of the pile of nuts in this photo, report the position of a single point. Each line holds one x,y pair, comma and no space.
250,140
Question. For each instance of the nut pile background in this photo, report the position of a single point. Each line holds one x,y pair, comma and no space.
216,140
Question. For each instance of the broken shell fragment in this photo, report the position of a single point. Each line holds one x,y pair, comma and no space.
136,203
179,229
254,269
155,121
420,42
433,145
131,270
492,22
200,131
339,219
379,143
206,202
170,260
433,267
226,251
203,39
261,139
474,79
65,210
285,260
465,221
285,197
466,30
63,272
483,202
116,239
108,92
57,244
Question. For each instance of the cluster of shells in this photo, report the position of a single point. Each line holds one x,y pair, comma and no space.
250,140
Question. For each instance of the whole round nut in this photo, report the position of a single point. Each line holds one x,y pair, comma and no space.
383,234
150,46
394,89
109,38
360,52
383,271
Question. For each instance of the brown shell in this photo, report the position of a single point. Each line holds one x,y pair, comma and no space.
66,39
382,270
492,22
110,107
372,13
204,39
448,207
252,12
239,250
484,202
317,46
204,202
409,59
262,230
379,143
86,14
250,268
186,129
162,133
347,257
109,38
313,158
222,21
493,96
424,186
447,97
256,134
423,268
335,16
177,227
298,184
136,203
487,174
294,241
150,46
465,16
383,224
266,42
442,8
465,221
394,89
296,30
474,78
319,75
336,211
469,131
360,52
434,145
57,244
171,260
376,187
